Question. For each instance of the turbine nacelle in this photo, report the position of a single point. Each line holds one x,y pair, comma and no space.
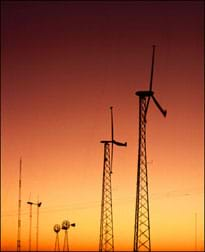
112,141
149,93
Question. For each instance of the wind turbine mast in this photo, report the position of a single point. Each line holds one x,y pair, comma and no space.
38,204
142,219
106,242
19,210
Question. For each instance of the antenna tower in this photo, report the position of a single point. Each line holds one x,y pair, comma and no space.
19,210
106,224
142,219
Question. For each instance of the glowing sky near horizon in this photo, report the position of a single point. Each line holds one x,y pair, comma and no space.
63,65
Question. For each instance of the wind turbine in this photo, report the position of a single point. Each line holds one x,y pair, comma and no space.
106,242
142,220
113,140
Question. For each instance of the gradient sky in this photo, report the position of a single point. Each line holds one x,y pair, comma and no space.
63,65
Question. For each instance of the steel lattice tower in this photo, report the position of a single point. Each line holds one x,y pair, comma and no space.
38,204
19,210
106,242
142,219
142,222
106,225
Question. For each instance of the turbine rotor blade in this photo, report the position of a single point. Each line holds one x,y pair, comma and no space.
112,138
151,78
112,128
152,68
164,112
119,143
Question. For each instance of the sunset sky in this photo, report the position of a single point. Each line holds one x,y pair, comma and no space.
63,64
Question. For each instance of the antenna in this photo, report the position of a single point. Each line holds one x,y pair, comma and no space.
19,210
142,221
106,242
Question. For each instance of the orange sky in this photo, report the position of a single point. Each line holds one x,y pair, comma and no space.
63,65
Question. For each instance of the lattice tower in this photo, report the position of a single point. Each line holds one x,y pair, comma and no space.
142,220
106,224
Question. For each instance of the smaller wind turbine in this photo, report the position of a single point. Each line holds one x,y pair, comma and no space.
113,141
38,204
106,242
65,226
57,229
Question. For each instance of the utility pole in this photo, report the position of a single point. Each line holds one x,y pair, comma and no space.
106,242
19,210
142,240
